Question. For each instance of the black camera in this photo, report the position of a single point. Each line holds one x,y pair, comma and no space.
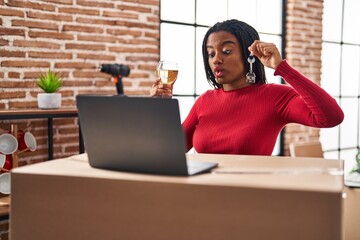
115,69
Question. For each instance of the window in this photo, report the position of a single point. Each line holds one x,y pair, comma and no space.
341,77
183,25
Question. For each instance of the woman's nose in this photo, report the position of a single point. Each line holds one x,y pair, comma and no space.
217,59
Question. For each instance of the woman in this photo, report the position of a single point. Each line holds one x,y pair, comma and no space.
244,117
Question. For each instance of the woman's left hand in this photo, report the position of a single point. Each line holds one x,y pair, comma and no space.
267,53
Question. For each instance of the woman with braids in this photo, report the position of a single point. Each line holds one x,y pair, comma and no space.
243,114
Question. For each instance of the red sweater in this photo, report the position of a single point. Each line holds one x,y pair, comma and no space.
248,120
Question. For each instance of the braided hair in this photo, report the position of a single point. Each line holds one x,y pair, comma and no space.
246,35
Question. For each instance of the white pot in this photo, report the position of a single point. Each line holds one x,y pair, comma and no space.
49,100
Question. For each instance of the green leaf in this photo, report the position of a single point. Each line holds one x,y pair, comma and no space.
49,82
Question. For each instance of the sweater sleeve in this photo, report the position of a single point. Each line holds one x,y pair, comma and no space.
309,104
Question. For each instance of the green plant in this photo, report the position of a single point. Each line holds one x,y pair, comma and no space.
49,82
356,169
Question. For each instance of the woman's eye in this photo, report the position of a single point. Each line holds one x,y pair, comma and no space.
226,51
211,55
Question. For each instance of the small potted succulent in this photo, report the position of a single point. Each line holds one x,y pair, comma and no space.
50,83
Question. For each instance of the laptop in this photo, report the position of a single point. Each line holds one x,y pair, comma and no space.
135,134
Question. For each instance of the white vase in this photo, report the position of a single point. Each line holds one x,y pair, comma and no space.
49,100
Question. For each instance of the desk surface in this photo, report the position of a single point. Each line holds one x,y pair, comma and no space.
309,174
37,113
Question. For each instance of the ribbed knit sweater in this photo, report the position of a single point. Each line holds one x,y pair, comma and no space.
248,120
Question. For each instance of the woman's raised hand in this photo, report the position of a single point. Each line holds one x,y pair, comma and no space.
267,53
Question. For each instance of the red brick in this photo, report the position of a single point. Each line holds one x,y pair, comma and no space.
31,5
153,19
37,44
98,4
78,65
134,50
84,46
27,75
78,83
97,38
119,14
14,75
124,32
53,35
76,10
152,35
92,74
5,53
139,25
124,7
24,64
22,105
55,17
8,94
96,56
66,2
77,28
15,84
96,21
144,42
11,12
146,2
35,24
12,31
51,55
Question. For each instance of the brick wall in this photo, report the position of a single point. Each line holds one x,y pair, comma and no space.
303,51
72,37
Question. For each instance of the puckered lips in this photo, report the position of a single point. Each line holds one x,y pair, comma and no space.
218,72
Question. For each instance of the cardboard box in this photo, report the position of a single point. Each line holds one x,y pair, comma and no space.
250,197
352,213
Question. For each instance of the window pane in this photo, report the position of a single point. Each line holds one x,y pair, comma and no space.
332,155
264,23
208,12
349,157
329,138
243,10
351,33
201,83
350,73
185,104
268,71
330,74
332,19
182,50
170,11
349,127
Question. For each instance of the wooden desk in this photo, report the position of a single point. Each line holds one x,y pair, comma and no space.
50,115
67,199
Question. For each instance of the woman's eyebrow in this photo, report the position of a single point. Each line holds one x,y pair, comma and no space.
223,43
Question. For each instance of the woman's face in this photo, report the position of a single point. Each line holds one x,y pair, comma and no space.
225,60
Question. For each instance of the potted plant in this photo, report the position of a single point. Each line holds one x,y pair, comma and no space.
50,83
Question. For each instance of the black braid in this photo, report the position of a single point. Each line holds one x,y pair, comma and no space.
246,35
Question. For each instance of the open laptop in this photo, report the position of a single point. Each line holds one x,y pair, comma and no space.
135,134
